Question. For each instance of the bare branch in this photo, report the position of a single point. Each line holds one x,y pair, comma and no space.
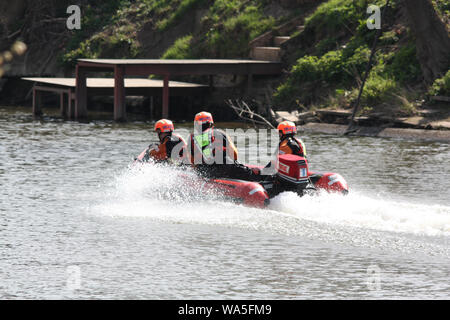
243,110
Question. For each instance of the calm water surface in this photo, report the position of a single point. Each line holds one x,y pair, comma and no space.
77,223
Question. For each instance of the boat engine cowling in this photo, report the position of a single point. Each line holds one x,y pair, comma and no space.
292,171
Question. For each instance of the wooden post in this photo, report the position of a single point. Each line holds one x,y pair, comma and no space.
165,107
62,104
37,100
70,109
151,106
120,113
249,83
81,94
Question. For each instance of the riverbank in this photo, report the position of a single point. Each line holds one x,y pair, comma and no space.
440,135
428,124
401,133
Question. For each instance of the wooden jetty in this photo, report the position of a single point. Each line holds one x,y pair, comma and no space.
65,87
123,68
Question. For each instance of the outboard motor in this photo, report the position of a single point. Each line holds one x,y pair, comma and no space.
293,169
292,175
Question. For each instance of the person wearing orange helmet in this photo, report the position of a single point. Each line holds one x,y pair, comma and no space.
289,144
171,145
213,153
208,144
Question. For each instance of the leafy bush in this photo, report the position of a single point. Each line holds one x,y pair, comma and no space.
404,66
335,66
307,68
332,77
441,86
355,63
312,68
326,45
377,89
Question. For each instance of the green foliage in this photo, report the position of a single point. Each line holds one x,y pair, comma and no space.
109,29
377,89
93,40
389,38
331,15
332,65
181,10
231,38
94,18
311,68
225,8
307,69
442,7
181,49
326,45
332,73
404,66
341,66
335,15
355,62
441,86
118,44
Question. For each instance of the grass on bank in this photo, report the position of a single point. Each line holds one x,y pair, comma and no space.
330,76
226,29
110,28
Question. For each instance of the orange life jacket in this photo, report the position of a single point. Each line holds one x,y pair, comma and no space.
163,151
292,145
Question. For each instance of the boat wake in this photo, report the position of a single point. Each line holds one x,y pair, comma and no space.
159,193
359,210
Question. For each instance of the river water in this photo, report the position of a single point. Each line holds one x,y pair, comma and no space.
76,222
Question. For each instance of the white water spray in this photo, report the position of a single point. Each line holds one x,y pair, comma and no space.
160,193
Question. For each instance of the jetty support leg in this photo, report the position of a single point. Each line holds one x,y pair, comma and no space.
120,113
37,101
165,107
70,105
62,104
81,94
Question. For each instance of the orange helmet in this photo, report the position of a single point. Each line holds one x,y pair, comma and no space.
203,117
164,125
287,127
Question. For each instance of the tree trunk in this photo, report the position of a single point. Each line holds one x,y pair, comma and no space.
432,38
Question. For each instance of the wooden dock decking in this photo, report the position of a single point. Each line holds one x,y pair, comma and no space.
65,87
143,67
109,83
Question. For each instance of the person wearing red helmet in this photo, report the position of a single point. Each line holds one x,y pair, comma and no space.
171,145
289,144
213,153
